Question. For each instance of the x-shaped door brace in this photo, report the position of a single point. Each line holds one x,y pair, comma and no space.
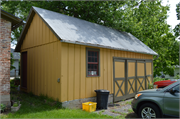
140,84
119,87
148,79
131,86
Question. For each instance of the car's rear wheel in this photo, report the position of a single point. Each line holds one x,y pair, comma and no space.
149,110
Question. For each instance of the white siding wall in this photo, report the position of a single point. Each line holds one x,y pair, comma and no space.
16,65
176,71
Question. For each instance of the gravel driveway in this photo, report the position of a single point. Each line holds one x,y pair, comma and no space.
120,109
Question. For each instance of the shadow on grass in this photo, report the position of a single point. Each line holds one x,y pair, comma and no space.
32,103
131,115
43,107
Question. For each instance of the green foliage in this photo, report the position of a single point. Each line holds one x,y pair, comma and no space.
177,27
31,94
150,86
12,84
128,102
16,81
59,104
130,111
177,30
34,106
15,105
178,11
146,20
159,79
11,81
177,77
3,106
16,78
148,23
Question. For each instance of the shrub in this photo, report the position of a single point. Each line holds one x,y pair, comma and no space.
3,106
177,77
15,105
59,104
158,79
150,86
16,81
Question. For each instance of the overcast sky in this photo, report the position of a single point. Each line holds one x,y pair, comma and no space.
172,19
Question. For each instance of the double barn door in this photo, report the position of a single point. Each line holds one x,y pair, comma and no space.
130,76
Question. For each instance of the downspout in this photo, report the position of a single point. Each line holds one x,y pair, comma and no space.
17,25
156,58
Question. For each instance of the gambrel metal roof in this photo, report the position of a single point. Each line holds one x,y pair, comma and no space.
73,30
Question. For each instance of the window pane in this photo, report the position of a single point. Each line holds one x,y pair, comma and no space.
96,54
89,72
92,69
95,59
92,59
92,63
89,59
176,88
92,53
89,53
95,67
89,68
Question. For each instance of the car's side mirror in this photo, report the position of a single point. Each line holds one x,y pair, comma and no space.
172,91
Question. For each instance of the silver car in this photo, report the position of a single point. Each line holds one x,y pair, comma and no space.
157,103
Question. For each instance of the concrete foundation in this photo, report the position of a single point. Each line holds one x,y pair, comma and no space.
77,104
5,99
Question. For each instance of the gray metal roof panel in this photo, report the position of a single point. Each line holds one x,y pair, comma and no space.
74,30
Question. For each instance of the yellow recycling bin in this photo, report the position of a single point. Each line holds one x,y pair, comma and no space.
89,106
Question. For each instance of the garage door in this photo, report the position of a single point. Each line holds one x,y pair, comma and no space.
130,76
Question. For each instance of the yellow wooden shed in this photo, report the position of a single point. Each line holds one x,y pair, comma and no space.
67,58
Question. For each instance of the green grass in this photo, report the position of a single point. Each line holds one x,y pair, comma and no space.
43,107
128,102
130,111
55,113
113,111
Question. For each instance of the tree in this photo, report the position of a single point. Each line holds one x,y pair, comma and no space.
146,20
177,27
178,11
100,12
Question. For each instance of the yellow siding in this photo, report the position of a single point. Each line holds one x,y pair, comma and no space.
119,69
75,84
43,58
131,69
43,70
38,34
47,56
